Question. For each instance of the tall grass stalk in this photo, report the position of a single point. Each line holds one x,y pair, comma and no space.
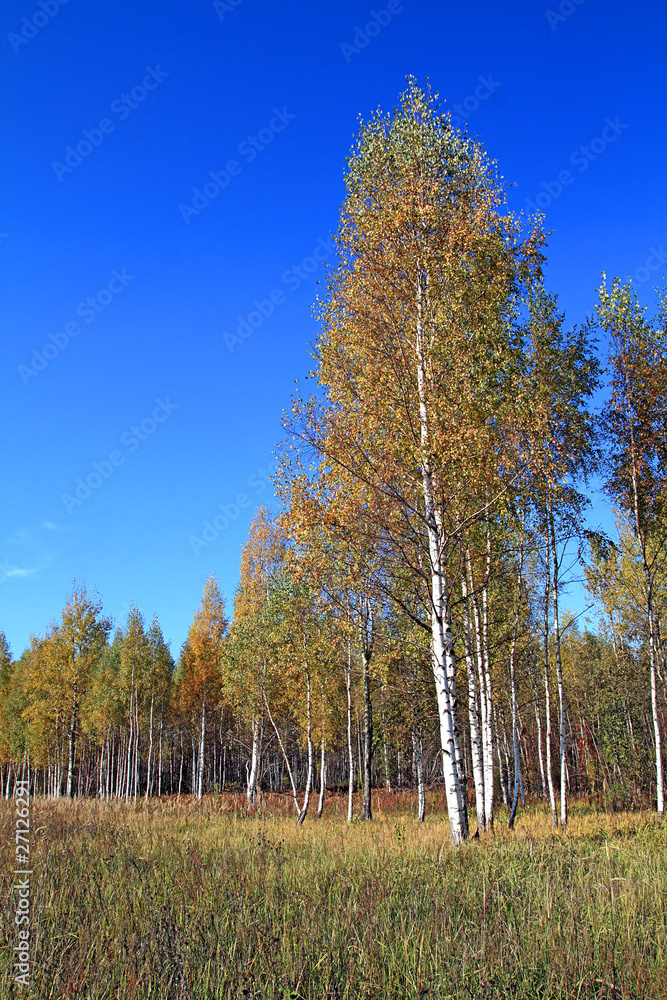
189,900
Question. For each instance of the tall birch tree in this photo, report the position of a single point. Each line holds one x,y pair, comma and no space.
202,667
561,451
416,361
635,430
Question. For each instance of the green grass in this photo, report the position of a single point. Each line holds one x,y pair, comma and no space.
188,900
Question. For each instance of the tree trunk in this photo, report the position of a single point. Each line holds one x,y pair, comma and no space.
476,745
301,813
659,776
419,767
538,724
71,749
547,692
654,652
100,785
515,728
129,741
442,639
486,706
200,775
366,812
159,773
350,744
309,737
387,774
501,772
489,788
136,748
323,779
150,753
562,711
251,790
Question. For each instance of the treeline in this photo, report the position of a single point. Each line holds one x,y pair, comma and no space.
402,621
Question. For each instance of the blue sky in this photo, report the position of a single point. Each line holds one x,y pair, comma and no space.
173,171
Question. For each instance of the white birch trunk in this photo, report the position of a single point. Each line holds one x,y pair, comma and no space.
200,774
538,725
136,748
547,707
101,776
489,787
515,728
251,790
659,776
309,737
654,653
442,640
476,748
485,706
159,775
350,745
129,741
562,711
301,813
366,811
150,752
71,749
323,778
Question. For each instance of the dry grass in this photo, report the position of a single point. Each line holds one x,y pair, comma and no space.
197,900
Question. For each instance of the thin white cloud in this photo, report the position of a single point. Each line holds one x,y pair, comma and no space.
7,571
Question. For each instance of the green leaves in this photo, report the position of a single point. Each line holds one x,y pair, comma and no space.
634,419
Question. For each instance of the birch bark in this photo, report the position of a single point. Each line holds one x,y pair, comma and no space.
476,742
350,744
442,640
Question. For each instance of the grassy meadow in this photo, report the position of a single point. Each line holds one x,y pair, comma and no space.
192,900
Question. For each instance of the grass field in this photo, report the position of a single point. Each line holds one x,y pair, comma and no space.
196,900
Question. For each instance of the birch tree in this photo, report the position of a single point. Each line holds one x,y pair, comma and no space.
157,684
261,564
134,663
73,648
203,663
561,451
416,360
635,430
5,688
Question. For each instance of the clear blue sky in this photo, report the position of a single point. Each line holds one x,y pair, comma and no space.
129,297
